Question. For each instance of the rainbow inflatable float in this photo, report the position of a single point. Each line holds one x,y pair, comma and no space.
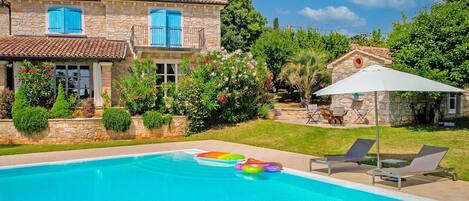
253,166
219,158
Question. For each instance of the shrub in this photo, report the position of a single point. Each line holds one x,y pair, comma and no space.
116,119
37,82
221,88
87,107
152,119
6,103
30,120
73,101
264,111
167,119
138,90
61,108
106,100
21,101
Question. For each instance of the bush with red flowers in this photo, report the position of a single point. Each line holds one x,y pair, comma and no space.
138,90
221,87
38,83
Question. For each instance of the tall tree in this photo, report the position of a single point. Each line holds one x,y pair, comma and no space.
276,24
435,45
275,47
241,25
375,39
306,71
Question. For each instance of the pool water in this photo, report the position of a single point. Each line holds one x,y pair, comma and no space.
173,176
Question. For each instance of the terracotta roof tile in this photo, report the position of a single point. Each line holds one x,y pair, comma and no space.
58,47
378,51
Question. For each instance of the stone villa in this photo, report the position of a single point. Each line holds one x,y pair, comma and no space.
93,42
392,109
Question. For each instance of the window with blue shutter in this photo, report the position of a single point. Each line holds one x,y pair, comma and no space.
166,30
65,20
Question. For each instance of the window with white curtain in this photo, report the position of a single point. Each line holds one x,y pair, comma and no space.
167,72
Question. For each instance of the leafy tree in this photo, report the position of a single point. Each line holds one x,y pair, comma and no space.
276,24
435,45
336,44
275,47
306,71
375,39
241,25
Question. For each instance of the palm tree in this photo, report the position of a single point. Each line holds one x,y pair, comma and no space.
306,71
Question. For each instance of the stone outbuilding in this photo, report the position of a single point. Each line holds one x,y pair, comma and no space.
392,108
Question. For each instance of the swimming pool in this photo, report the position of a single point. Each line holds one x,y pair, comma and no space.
172,176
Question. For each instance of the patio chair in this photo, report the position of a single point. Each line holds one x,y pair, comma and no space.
356,154
427,161
313,113
338,114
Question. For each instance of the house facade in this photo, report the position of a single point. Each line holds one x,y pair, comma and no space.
93,42
392,108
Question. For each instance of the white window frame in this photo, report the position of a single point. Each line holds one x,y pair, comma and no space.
452,97
165,72
78,64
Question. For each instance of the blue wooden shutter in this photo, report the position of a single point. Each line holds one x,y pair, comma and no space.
56,20
174,28
73,22
158,28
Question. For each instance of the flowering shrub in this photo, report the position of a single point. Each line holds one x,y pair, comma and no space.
221,88
38,82
138,90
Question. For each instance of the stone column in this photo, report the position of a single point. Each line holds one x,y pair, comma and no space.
3,75
97,84
106,77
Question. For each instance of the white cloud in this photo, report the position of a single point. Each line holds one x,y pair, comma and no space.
338,15
282,11
398,4
346,32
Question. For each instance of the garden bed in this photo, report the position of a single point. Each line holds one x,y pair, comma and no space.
81,130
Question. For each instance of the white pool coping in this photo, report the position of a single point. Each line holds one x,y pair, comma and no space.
309,175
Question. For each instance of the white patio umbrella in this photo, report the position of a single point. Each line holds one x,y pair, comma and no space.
377,78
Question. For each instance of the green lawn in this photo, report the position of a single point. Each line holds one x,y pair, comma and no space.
395,142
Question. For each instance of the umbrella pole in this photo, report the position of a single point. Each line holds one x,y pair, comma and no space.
378,161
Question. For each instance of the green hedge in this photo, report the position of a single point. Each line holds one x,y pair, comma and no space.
116,119
152,119
31,119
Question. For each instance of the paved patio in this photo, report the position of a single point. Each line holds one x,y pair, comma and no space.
431,187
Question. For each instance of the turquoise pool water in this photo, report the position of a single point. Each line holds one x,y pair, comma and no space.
162,177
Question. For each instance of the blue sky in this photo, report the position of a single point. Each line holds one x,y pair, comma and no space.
346,16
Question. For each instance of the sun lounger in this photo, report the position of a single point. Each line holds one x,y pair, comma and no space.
427,161
356,153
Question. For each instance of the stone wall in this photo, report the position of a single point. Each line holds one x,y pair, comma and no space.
4,25
346,68
465,103
83,130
